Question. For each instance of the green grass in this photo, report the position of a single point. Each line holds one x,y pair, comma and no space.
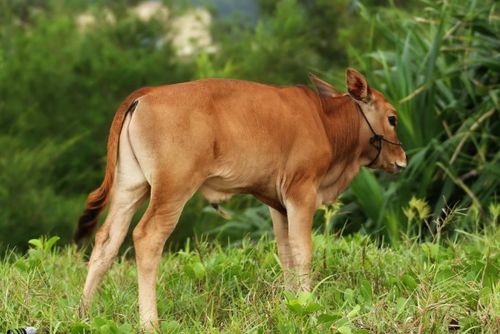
360,288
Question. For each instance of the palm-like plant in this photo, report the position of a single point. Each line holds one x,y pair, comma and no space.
443,77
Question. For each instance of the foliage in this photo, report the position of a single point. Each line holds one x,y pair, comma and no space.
437,62
29,204
361,287
442,76
59,88
277,50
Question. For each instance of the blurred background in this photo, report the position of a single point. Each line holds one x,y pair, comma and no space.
66,65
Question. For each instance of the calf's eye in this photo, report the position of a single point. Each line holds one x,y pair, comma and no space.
392,120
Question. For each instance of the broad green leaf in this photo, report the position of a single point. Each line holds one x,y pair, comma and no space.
354,312
195,270
37,243
328,318
50,243
409,281
345,330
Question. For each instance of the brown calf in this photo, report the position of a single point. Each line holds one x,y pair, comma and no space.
292,148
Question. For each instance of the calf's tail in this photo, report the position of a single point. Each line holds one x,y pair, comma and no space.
99,198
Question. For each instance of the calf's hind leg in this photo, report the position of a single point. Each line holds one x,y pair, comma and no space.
129,190
108,240
150,236
280,227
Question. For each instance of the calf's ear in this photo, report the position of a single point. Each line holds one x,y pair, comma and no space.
323,87
357,86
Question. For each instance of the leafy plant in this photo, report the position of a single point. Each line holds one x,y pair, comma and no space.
38,253
303,304
195,270
105,326
43,245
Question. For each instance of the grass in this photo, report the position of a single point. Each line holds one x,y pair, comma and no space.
361,287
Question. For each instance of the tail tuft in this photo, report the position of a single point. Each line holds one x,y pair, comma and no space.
96,201
86,225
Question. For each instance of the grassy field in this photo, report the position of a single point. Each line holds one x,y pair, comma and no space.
361,287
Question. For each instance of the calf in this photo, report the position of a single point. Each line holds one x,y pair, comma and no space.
292,148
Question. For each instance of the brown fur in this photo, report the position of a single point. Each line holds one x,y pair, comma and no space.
344,121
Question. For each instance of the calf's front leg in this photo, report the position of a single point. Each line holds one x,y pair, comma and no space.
300,211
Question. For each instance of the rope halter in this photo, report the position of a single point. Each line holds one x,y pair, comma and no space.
377,139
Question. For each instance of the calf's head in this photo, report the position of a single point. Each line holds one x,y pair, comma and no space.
381,146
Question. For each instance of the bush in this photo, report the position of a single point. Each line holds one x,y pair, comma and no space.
30,206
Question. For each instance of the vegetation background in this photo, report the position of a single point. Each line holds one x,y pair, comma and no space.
66,65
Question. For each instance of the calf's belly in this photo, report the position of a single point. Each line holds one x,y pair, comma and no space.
215,196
